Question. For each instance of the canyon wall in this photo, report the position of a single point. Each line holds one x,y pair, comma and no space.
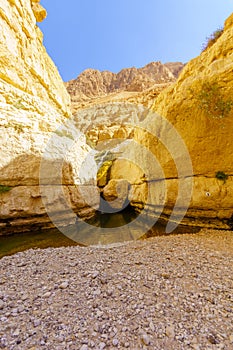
33,104
102,101
199,106
187,135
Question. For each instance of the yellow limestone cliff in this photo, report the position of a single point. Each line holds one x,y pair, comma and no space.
199,107
33,103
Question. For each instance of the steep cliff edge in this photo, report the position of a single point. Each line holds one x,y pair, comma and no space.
27,73
199,106
33,103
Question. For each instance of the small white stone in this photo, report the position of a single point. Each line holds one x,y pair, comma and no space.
64,285
95,274
102,345
115,342
152,327
36,323
84,347
24,297
145,339
97,292
99,313
170,331
20,308
16,333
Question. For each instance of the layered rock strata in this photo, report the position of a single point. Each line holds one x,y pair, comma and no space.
33,104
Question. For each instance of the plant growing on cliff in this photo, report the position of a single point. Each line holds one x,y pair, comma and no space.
64,133
212,39
89,142
220,175
4,189
212,101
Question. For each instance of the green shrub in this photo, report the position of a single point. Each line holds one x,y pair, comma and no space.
212,102
4,189
89,142
64,133
220,175
212,39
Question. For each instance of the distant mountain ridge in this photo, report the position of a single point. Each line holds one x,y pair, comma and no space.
94,83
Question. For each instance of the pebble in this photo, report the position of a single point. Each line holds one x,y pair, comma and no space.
145,339
102,345
36,323
95,274
169,292
170,331
115,342
84,347
99,313
20,308
24,297
16,333
152,327
64,285
1,304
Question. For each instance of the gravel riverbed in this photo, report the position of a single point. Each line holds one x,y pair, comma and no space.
167,292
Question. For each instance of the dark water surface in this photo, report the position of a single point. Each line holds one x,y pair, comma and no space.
14,243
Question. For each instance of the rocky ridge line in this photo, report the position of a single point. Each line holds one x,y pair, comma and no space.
93,84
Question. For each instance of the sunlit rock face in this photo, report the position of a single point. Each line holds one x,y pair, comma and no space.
116,193
135,85
200,107
33,104
189,133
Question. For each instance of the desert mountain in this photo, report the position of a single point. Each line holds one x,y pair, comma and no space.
92,84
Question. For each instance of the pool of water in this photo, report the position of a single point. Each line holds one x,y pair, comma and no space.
40,239
14,243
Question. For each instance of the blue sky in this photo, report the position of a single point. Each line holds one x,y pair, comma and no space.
115,34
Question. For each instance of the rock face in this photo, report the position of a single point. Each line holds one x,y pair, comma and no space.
28,75
93,84
199,107
33,103
102,101
116,193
